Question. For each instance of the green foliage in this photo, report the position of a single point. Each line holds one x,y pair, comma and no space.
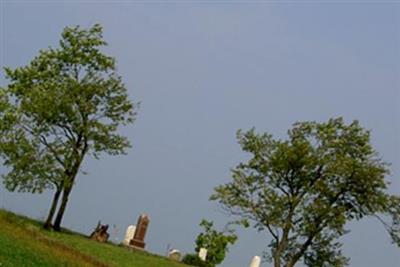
305,189
194,260
216,242
68,102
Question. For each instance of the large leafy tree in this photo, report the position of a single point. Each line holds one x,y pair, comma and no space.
304,190
67,103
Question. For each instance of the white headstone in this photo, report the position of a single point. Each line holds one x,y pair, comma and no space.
203,254
174,254
255,262
130,232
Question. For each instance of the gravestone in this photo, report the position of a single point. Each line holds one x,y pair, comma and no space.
115,233
140,233
130,232
100,233
255,262
203,254
174,254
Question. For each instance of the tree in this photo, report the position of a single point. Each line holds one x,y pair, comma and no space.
303,190
67,103
216,243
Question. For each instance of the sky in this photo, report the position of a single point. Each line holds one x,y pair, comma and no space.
202,70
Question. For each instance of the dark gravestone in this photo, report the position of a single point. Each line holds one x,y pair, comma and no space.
140,233
100,233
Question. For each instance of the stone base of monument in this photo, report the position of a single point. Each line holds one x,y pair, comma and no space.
137,244
132,248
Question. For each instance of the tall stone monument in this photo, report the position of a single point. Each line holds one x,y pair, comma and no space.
140,232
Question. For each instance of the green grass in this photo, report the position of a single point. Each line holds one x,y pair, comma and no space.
23,242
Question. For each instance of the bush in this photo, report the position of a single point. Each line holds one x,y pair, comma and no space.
216,242
194,260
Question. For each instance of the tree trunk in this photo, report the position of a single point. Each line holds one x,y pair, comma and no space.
61,210
277,262
291,263
47,224
67,187
277,257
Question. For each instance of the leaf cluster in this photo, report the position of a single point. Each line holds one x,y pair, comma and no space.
194,260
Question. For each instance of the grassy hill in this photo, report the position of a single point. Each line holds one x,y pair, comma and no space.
23,242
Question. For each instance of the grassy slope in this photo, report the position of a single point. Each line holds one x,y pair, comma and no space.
24,243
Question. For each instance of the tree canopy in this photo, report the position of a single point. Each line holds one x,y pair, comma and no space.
304,190
68,102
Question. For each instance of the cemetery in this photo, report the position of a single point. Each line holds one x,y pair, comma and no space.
25,237
134,240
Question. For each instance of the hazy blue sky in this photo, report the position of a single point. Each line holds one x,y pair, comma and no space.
202,70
